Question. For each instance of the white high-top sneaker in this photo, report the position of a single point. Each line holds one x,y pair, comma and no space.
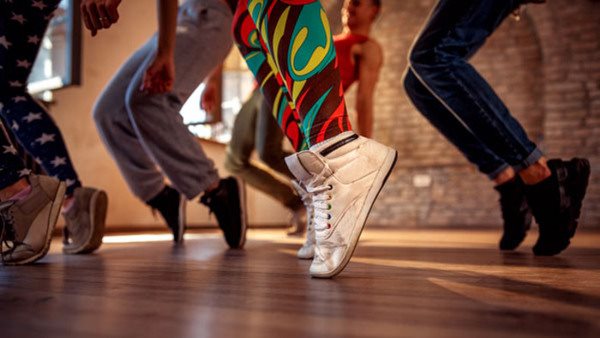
344,175
307,251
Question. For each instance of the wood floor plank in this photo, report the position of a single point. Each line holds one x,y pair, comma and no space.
400,283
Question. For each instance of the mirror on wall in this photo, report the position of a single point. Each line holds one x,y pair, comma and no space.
59,60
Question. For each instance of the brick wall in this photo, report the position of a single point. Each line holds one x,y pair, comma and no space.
546,67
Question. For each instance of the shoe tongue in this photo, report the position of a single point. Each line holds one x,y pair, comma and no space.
304,165
297,166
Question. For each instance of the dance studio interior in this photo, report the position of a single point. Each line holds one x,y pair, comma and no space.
300,168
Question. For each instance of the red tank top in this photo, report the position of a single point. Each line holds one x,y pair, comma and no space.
347,65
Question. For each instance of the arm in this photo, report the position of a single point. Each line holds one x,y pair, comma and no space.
160,75
167,24
209,98
370,62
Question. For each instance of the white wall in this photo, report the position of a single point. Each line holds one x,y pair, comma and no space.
102,56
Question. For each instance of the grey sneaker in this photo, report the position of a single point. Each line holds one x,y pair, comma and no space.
84,222
27,225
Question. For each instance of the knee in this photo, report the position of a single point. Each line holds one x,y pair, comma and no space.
409,82
419,59
425,59
101,113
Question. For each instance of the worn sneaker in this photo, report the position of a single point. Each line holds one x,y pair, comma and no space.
27,224
84,221
344,176
307,251
516,213
228,202
556,204
171,206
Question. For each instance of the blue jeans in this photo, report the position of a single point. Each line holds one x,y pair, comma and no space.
454,97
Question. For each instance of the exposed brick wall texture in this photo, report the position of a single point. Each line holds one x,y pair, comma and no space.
546,68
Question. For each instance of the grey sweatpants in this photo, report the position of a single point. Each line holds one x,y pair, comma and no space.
145,133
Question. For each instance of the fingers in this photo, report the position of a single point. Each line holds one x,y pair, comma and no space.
95,16
87,20
104,18
99,14
155,82
147,81
112,12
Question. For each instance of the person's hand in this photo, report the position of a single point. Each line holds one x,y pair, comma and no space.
99,14
160,75
208,101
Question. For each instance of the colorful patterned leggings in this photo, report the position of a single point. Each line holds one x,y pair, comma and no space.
288,46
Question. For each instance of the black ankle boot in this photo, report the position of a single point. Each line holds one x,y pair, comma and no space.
516,213
171,206
556,204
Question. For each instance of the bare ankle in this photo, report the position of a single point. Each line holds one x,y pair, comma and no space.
536,172
506,175
13,189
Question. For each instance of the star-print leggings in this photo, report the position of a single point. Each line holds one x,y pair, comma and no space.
22,27
288,46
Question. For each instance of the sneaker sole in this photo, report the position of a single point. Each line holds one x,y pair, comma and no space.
98,209
578,193
243,214
380,180
52,219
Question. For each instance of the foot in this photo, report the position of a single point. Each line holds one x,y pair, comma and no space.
344,176
227,202
84,221
556,204
307,251
516,213
171,206
27,224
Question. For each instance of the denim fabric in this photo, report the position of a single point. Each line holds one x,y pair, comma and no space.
454,97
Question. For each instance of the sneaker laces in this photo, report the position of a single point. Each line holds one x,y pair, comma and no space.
7,230
320,205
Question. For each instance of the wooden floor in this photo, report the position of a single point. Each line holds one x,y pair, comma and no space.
410,283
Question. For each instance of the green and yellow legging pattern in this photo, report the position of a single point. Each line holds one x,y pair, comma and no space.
288,46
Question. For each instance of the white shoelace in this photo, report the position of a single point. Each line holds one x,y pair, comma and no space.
321,206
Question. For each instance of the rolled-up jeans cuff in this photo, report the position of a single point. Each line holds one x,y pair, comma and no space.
492,176
532,158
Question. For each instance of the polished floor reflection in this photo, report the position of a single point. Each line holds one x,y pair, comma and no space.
400,283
